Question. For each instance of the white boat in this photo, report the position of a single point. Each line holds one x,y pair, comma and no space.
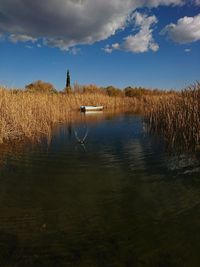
91,108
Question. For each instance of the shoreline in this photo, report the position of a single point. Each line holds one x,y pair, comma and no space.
25,115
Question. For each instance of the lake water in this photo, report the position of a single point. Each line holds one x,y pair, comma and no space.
118,200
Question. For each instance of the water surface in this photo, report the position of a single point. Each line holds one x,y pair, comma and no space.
118,200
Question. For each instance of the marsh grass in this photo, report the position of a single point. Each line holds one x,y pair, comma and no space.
177,118
31,116
27,115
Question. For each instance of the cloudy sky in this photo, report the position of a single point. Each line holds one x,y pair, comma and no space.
151,43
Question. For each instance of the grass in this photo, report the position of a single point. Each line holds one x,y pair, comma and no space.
27,115
177,118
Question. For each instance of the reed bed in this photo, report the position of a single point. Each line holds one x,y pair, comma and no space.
26,115
177,118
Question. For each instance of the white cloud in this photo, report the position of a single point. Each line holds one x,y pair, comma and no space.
14,38
142,41
67,23
29,46
74,50
109,48
187,50
116,46
186,30
60,43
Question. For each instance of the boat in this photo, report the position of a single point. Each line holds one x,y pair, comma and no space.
91,108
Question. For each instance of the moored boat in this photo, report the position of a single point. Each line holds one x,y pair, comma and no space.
91,108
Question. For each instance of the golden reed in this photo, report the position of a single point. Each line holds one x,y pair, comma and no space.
177,118
26,115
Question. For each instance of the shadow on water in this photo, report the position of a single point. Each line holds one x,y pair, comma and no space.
119,199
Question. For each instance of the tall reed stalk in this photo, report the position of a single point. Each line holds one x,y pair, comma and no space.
177,118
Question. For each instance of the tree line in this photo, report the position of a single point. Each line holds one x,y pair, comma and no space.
46,87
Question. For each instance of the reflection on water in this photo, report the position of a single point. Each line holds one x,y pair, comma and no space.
116,200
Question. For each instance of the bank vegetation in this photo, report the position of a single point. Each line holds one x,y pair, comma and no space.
177,118
34,111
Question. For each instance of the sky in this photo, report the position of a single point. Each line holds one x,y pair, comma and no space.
148,43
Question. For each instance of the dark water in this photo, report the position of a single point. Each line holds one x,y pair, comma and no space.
120,200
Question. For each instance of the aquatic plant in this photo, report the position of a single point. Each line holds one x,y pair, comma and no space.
177,118
25,114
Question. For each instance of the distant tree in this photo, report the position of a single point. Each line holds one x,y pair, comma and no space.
91,89
68,89
40,87
140,92
68,79
112,91
134,92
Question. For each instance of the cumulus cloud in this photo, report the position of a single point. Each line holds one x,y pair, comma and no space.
109,48
186,30
67,23
187,50
21,38
142,41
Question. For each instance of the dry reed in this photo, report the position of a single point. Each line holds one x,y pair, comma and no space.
177,118
25,115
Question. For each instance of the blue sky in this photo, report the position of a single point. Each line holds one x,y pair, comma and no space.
155,43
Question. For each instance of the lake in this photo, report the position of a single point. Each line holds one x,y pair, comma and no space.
120,199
